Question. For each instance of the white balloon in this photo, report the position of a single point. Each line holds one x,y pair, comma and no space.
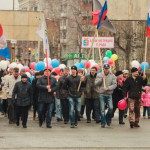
62,66
49,61
135,64
8,63
13,65
20,66
3,64
92,62
28,74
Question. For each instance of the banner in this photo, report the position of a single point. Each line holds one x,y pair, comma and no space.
104,42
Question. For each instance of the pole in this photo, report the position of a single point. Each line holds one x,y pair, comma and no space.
87,59
93,53
47,66
39,29
145,53
13,5
101,60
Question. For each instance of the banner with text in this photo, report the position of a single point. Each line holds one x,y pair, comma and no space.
104,42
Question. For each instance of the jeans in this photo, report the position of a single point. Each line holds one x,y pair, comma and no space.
106,100
58,108
44,107
65,109
74,109
146,109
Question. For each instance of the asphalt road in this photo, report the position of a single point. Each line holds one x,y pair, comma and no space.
87,136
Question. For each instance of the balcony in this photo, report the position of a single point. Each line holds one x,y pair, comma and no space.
63,27
63,15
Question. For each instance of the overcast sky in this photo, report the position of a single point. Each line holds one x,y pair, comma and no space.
8,4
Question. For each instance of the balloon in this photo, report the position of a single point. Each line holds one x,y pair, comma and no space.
31,78
28,74
8,63
57,70
32,65
49,60
55,63
18,63
40,66
97,66
36,67
62,66
105,59
108,53
49,66
146,65
139,68
114,57
82,64
110,62
20,66
3,65
13,65
135,64
95,15
122,104
27,69
92,62
88,64
77,65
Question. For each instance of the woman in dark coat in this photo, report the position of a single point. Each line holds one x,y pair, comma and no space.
35,94
117,95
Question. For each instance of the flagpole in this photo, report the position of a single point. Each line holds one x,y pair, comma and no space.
39,29
145,53
47,67
87,60
101,63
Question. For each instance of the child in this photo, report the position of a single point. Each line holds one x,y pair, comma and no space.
146,101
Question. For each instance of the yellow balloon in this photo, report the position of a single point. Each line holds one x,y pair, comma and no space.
114,57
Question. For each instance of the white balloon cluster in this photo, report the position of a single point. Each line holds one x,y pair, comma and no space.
49,61
3,64
135,64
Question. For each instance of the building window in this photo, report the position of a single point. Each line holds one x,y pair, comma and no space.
63,35
64,8
64,48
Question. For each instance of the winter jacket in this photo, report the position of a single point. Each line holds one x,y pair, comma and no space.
24,94
35,92
91,90
111,83
71,84
62,93
145,99
134,87
9,85
44,95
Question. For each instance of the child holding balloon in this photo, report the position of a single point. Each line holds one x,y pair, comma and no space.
146,102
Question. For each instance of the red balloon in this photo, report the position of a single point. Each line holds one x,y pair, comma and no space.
97,66
139,67
95,15
88,64
49,67
27,69
57,70
110,62
18,63
32,65
122,104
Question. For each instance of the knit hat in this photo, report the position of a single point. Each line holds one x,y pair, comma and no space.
106,66
24,76
119,73
125,71
48,69
41,72
74,67
134,70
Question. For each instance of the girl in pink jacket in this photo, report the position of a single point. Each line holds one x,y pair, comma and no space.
146,102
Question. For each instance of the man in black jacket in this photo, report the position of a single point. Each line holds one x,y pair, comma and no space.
92,96
23,91
72,83
46,97
133,86
63,94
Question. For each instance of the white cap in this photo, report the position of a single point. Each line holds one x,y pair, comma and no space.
125,71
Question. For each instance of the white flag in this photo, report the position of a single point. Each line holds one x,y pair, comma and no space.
43,34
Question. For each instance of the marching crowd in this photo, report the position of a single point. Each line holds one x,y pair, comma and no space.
98,96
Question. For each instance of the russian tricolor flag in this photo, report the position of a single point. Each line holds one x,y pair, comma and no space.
148,26
102,14
4,50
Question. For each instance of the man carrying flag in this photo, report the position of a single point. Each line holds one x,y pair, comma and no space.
4,50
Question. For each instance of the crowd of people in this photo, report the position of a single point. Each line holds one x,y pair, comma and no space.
64,98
